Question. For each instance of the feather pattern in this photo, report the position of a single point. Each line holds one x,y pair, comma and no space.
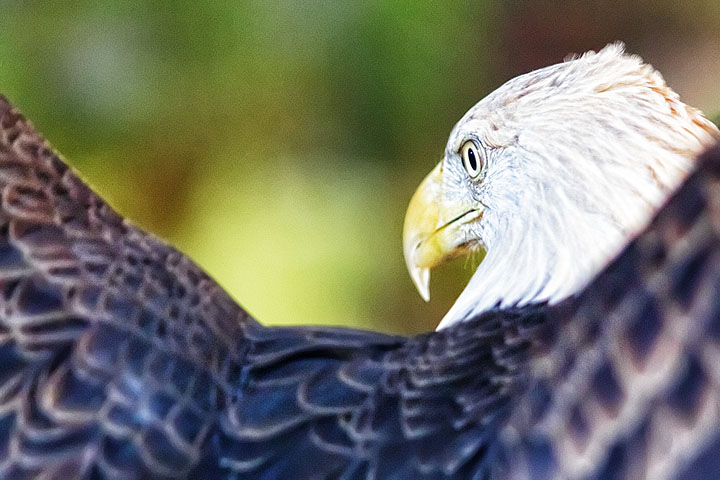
122,359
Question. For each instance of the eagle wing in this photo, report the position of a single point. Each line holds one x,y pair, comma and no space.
115,349
122,359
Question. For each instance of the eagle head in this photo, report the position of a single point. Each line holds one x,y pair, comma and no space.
550,175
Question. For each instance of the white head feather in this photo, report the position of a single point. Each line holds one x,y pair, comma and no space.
579,156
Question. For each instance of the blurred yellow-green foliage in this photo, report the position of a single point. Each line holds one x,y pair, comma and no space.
278,142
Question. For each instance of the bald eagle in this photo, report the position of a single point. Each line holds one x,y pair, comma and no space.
571,353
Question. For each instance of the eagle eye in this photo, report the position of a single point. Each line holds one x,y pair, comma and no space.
472,159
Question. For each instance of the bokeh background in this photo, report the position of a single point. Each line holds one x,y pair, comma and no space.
278,142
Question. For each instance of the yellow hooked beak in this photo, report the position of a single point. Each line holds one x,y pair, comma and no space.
432,233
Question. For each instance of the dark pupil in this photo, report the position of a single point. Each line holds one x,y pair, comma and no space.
471,159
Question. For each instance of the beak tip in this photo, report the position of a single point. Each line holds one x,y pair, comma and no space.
421,279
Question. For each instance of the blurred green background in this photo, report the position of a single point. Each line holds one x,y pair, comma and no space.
278,142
